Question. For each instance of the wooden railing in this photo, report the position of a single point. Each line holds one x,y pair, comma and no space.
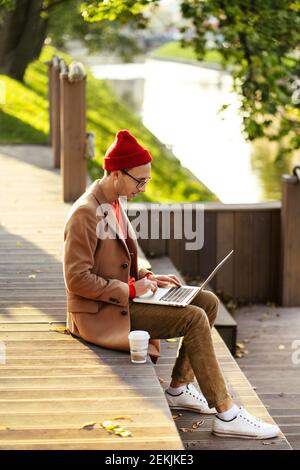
252,273
67,96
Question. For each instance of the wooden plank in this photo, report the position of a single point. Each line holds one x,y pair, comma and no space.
75,382
143,443
243,267
225,243
275,260
206,257
260,275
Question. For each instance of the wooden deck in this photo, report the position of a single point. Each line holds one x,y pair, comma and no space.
268,334
51,383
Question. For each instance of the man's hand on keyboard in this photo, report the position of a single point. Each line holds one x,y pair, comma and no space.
165,280
144,285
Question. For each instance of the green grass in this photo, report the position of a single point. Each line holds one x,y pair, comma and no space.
24,120
173,50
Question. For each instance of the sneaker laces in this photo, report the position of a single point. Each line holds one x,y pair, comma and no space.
249,418
191,390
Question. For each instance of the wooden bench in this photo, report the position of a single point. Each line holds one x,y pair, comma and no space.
51,383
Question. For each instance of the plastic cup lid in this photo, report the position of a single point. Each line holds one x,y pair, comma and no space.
139,334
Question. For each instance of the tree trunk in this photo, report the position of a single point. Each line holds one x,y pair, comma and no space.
22,35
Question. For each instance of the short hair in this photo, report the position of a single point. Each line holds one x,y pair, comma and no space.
108,172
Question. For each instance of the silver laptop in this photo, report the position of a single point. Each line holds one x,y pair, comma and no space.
177,296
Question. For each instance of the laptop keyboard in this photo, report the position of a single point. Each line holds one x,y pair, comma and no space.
177,294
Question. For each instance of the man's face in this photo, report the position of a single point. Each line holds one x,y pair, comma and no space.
130,183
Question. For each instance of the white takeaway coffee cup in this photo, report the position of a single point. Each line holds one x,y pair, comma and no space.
138,341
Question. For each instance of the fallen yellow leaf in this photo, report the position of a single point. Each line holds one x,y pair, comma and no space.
197,424
115,428
88,425
122,417
61,329
239,354
123,433
171,340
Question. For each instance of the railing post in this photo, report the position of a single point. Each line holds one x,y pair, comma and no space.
73,134
50,84
290,240
55,111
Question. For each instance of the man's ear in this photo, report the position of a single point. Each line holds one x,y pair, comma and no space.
115,175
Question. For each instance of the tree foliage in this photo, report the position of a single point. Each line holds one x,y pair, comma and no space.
258,40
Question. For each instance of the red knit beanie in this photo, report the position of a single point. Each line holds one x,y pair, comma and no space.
125,152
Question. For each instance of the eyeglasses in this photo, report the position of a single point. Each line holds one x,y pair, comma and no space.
140,183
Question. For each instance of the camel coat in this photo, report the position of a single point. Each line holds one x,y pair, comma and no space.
96,264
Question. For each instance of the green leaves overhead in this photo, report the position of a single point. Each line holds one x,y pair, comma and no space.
258,40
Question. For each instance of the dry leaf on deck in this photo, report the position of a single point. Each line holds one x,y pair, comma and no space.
88,426
197,424
123,433
239,354
281,347
32,276
171,340
172,347
61,329
177,416
121,417
115,428
108,424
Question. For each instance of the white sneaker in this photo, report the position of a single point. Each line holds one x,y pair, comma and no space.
189,399
245,426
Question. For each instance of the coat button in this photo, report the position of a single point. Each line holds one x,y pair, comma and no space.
124,265
124,312
105,213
